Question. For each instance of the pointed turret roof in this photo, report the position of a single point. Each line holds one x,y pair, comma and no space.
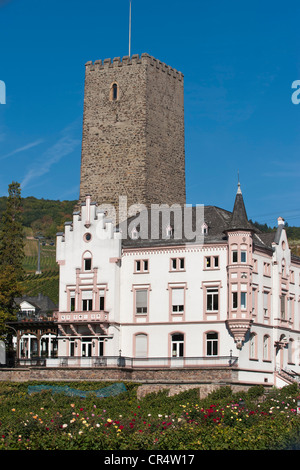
239,219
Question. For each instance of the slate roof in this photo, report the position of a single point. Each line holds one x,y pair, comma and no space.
42,303
239,219
218,222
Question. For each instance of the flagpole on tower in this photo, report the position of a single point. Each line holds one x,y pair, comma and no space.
130,28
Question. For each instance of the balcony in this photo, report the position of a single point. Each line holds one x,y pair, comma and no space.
131,362
82,317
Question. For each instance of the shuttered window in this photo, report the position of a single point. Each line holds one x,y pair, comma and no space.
177,300
141,345
141,301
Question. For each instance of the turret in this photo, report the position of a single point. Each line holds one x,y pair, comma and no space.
239,270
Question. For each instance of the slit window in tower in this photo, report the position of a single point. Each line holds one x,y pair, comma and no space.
115,92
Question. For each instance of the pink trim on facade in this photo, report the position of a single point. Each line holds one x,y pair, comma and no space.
204,341
208,314
179,260
142,266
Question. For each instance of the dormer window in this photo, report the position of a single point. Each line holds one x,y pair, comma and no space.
169,231
134,234
204,229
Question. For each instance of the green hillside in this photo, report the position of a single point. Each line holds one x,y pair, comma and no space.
47,282
44,216
47,217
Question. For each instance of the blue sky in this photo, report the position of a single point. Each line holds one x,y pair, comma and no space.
239,60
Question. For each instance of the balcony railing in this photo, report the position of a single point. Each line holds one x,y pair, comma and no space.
74,317
130,362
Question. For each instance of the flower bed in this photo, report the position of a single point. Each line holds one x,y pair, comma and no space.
223,420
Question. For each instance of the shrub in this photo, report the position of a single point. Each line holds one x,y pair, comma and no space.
43,421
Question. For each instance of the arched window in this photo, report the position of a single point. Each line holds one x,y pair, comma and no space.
212,339
141,345
114,92
87,261
134,234
204,229
177,345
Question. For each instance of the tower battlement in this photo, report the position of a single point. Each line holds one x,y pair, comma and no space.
133,60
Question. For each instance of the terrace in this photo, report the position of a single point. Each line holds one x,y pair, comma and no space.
129,362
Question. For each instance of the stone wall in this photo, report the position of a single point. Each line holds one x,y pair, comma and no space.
151,380
133,146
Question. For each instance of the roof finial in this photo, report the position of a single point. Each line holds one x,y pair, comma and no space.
239,184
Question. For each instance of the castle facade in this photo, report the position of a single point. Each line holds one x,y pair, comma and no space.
146,282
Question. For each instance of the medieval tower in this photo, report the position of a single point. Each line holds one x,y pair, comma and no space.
133,142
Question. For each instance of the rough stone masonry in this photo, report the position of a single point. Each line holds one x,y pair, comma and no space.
133,133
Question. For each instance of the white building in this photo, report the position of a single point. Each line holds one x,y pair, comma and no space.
230,297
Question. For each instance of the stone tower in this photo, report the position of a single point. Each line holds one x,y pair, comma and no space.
133,133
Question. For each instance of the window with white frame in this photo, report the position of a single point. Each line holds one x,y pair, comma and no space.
243,256
177,264
242,296
234,300
87,300
212,299
211,262
72,301
102,299
177,345
243,300
177,300
87,262
141,301
141,266
212,339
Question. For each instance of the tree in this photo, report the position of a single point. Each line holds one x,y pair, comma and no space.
11,254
